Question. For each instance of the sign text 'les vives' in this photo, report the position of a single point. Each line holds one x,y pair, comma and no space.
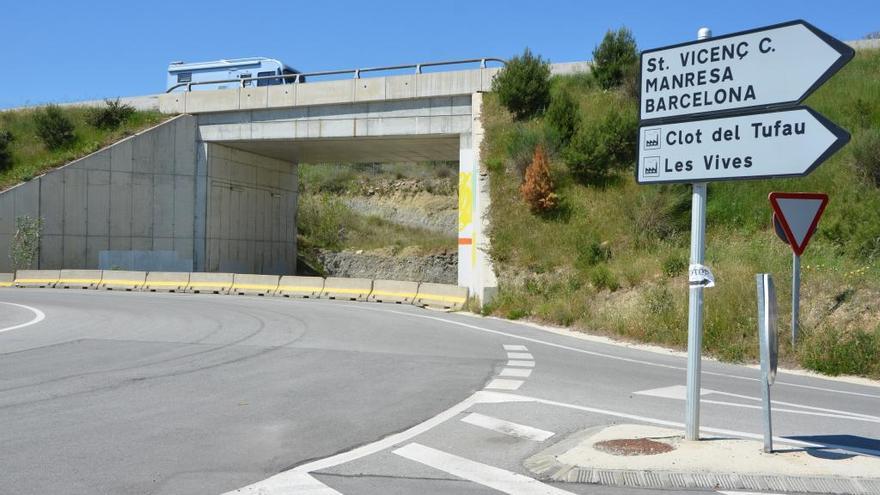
785,143
775,65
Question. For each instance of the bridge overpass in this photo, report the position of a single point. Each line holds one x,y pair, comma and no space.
215,188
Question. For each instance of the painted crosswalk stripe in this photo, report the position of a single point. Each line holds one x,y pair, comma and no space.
519,355
523,364
514,347
507,427
490,476
502,384
518,372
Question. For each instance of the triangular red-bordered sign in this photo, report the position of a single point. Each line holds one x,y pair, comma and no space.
798,213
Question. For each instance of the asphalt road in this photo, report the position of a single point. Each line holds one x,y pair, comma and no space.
132,393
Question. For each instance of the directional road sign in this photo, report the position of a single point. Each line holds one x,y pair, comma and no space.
784,143
773,65
798,214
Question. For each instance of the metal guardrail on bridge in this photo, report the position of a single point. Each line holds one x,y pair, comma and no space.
299,78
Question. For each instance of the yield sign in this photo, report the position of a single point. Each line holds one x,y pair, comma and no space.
798,213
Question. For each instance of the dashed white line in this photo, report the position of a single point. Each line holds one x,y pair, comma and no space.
514,347
490,476
518,372
617,358
507,427
38,317
519,355
502,384
524,364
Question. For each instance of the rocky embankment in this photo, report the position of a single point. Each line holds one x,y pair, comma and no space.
386,264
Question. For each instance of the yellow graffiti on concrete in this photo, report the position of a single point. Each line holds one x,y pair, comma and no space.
465,200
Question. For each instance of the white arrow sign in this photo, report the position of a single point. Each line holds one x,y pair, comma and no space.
775,65
775,144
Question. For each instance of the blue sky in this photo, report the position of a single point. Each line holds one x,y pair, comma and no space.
68,50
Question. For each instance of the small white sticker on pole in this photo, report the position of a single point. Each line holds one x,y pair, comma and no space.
700,276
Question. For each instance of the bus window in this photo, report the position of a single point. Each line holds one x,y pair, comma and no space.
291,80
267,82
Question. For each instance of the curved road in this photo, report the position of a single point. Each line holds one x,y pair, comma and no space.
133,393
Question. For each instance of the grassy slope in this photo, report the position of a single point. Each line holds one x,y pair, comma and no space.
31,158
549,272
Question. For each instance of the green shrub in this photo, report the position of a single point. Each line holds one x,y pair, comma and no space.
323,218
54,128
674,265
866,155
836,352
523,85
593,253
25,248
598,150
614,57
6,139
562,115
602,278
110,116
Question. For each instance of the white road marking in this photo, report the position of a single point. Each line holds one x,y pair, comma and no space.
490,476
519,355
749,493
519,372
509,347
500,397
502,384
524,364
679,392
618,358
507,427
294,484
38,317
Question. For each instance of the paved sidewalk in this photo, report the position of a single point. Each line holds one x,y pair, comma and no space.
714,462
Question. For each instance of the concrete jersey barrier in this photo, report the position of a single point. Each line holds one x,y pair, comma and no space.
441,296
79,279
393,291
36,278
347,289
122,280
255,285
166,281
6,279
209,283
304,287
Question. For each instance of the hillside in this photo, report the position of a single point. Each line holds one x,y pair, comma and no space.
612,259
30,156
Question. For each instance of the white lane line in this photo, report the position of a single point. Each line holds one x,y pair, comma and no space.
294,484
490,476
509,347
679,392
618,358
518,372
501,397
507,427
519,355
502,384
38,317
524,364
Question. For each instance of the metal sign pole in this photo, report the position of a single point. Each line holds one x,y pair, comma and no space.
795,296
695,303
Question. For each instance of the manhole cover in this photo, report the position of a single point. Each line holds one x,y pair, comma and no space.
633,446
